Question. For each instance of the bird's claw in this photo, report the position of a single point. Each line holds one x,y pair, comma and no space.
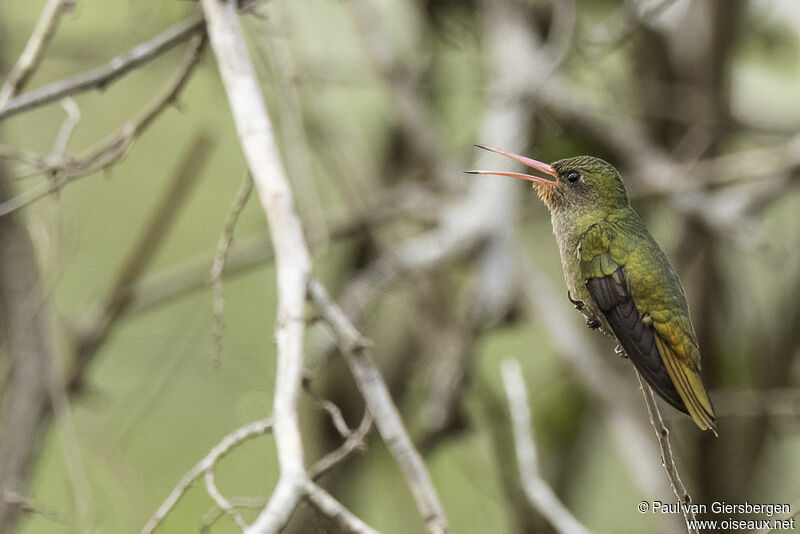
593,323
619,351
579,305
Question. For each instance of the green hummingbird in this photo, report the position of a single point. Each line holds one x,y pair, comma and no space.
619,277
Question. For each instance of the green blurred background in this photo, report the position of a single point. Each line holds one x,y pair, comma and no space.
154,402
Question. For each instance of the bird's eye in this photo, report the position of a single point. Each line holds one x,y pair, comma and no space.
573,176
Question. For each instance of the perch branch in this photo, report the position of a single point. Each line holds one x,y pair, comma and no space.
666,456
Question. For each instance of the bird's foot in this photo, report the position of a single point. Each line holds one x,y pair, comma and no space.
619,351
579,305
592,323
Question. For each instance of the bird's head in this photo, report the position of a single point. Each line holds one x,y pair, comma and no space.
582,183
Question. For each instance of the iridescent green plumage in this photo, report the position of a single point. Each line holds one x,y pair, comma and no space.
620,279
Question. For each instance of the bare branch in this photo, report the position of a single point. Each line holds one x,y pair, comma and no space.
337,419
292,257
34,50
100,77
333,509
355,349
666,456
213,515
111,149
222,502
353,442
211,459
540,495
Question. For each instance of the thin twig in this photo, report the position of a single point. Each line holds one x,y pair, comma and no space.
292,258
113,147
222,502
337,419
355,349
73,112
100,77
211,459
539,493
250,253
220,257
355,441
330,507
213,515
666,456
32,54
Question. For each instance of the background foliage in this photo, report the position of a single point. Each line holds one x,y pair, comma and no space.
376,107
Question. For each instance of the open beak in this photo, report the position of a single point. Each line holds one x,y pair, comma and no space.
538,165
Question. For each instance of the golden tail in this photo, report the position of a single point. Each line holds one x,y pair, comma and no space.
690,388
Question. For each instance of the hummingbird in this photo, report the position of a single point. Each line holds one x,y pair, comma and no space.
619,278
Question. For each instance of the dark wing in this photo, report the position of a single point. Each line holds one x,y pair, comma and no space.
655,331
634,333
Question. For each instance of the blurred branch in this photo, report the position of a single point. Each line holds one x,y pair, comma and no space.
27,338
540,495
68,435
206,464
111,149
512,42
274,47
409,109
494,291
100,77
659,172
250,253
355,349
666,456
94,327
778,403
220,257
73,112
32,54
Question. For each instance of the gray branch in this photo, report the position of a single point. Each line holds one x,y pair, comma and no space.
100,77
